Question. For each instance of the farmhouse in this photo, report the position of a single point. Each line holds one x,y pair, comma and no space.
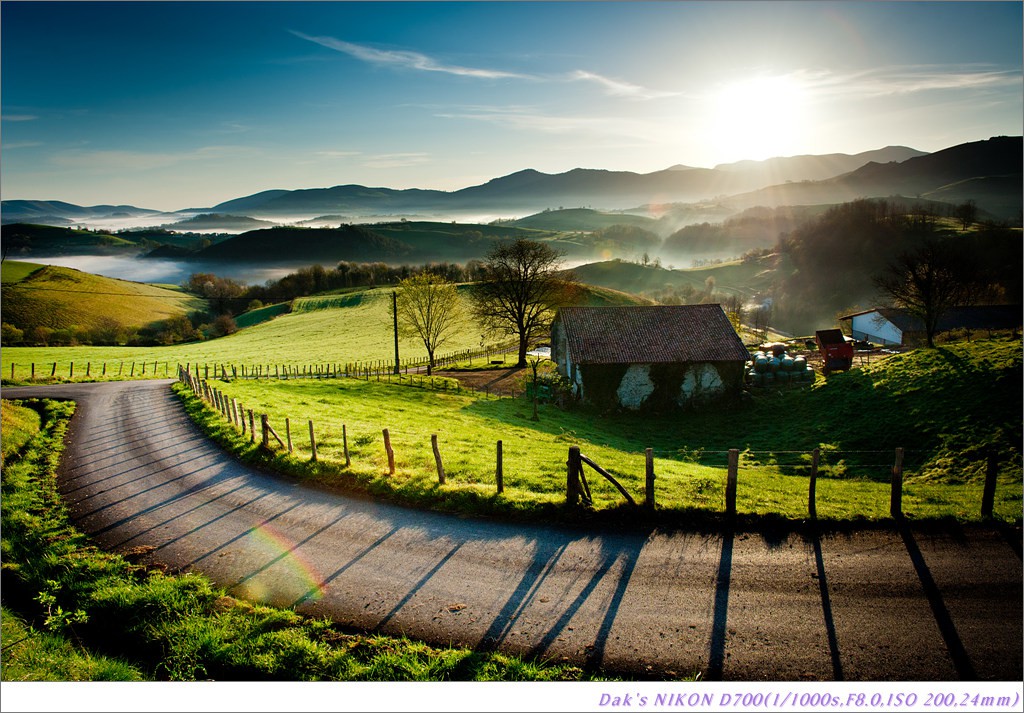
895,327
648,357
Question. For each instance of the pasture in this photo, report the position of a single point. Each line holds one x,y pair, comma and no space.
946,443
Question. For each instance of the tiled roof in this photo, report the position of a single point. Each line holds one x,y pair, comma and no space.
655,334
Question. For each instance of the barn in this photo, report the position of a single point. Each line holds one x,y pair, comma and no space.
896,327
651,357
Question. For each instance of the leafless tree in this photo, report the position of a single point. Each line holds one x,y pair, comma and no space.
521,287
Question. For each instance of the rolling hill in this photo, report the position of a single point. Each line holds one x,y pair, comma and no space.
63,298
988,172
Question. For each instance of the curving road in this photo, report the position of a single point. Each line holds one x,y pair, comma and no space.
874,605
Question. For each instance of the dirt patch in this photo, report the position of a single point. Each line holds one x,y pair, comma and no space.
494,381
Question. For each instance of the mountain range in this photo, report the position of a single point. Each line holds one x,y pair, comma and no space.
988,172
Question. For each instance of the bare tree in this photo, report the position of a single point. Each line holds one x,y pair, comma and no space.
966,213
929,281
428,307
522,285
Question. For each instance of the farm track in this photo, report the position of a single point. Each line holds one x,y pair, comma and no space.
898,604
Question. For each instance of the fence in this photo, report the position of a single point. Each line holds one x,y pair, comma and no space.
264,370
815,462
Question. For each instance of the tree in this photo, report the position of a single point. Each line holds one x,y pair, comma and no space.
966,213
521,287
929,281
428,307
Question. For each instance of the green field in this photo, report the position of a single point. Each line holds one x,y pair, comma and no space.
947,407
328,329
65,298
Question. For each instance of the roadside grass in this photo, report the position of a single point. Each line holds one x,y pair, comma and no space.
18,426
74,612
947,420
31,654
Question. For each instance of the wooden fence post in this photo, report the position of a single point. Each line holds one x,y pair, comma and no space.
730,483
288,434
812,504
896,493
572,470
499,474
54,371
12,371
252,427
71,371
344,444
312,441
34,370
390,452
649,479
266,430
988,495
88,368
437,458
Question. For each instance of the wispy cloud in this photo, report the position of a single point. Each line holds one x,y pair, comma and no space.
406,59
19,117
619,88
22,145
396,160
418,61
893,81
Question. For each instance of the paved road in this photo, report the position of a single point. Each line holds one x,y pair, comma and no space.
900,605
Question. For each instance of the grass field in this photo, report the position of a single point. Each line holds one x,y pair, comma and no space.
946,419
344,328
62,298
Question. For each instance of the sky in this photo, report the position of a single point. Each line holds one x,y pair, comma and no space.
174,105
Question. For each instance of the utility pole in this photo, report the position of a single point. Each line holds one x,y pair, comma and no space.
394,314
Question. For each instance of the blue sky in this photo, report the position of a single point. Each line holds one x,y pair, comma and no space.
175,105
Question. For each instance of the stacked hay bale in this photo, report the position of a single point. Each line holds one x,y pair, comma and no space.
775,366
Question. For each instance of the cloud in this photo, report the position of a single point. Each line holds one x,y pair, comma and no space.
422,62
405,59
618,88
892,81
19,117
396,160
22,145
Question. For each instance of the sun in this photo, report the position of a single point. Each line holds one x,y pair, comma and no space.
759,118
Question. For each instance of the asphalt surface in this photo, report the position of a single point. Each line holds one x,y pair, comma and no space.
900,604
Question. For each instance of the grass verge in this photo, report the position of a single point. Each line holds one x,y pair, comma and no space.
75,612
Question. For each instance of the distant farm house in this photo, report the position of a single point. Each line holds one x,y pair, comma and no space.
655,358
895,327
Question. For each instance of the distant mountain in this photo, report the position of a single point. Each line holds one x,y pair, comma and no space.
817,167
531,191
61,213
988,172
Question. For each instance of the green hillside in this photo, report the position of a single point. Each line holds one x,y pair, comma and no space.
25,239
585,219
64,298
745,278
337,328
